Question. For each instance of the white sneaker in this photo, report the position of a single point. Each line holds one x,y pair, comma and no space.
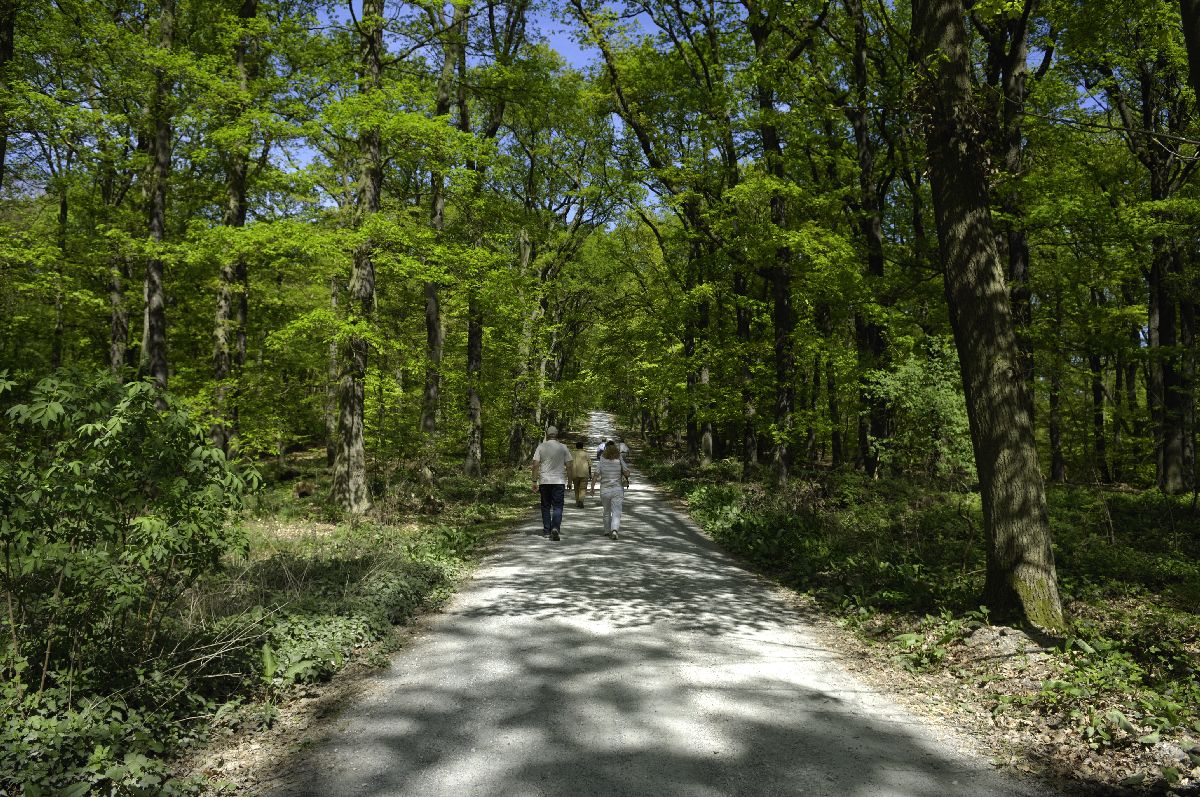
613,534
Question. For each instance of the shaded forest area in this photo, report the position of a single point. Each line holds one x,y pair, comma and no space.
902,297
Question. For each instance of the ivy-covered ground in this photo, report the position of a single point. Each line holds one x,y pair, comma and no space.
1112,708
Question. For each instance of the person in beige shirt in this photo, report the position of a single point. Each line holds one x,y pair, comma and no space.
581,470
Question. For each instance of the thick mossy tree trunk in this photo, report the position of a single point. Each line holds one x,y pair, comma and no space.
350,463
1021,581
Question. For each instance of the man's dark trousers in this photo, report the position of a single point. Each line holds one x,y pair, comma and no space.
552,505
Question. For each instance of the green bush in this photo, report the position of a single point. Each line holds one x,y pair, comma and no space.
112,502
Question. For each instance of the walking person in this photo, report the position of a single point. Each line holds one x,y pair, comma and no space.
581,470
550,480
613,476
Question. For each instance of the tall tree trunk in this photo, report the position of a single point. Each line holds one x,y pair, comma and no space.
872,423
1099,435
57,338
1187,378
516,431
1007,75
350,463
331,386
836,443
435,331
779,272
1165,371
474,462
1021,581
1190,11
118,328
749,408
154,334
8,25
1058,466
232,300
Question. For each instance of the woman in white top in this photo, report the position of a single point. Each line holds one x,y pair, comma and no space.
613,476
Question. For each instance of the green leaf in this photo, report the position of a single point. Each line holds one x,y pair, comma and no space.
1150,738
1120,720
76,790
1134,779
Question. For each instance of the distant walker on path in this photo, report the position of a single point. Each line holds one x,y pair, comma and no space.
613,476
581,471
550,480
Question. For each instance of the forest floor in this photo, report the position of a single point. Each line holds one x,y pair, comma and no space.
1021,701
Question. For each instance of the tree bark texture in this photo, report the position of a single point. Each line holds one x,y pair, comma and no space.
474,461
154,334
435,331
229,329
1007,77
350,466
1021,582
869,333
8,24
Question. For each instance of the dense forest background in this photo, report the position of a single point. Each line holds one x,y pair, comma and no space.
943,243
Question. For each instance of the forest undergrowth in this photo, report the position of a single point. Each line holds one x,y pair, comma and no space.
1113,706
145,613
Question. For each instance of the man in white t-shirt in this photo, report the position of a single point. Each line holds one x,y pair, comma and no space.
550,480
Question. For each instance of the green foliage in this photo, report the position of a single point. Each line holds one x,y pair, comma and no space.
112,507
931,436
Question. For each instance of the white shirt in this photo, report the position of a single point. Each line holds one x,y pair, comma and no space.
610,472
552,458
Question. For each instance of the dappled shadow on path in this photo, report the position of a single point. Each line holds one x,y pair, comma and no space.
660,570
649,665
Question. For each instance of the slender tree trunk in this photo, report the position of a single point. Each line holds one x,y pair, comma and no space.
229,330
1058,467
350,462
749,408
872,424
154,335
836,446
331,386
779,272
1187,340
516,431
57,338
1099,435
474,462
8,23
118,328
435,331
1165,372
1021,581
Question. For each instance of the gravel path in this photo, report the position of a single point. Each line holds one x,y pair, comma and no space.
650,665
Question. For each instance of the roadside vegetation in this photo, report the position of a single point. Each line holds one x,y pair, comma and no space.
155,590
900,561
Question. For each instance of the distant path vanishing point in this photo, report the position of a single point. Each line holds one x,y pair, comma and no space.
650,665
